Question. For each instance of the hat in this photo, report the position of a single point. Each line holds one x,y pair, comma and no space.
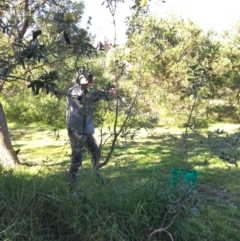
83,80
80,79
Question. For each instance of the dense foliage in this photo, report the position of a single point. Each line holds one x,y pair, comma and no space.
160,65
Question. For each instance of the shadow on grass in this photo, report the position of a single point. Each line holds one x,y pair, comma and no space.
38,206
36,203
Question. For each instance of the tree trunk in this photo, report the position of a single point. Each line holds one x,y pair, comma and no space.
8,157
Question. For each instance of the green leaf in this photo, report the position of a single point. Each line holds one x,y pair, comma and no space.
194,67
37,90
47,88
45,59
33,89
74,27
22,63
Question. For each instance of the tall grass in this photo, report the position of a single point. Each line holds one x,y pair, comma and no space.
41,208
35,202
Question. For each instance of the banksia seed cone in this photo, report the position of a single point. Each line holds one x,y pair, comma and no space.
143,3
68,17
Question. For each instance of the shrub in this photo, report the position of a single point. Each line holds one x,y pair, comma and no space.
28,109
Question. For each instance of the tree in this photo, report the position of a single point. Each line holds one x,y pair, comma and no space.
35,38
170,50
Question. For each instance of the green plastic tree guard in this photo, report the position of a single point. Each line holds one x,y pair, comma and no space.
187,177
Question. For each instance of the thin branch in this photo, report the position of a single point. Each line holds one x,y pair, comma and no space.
168,226
25,23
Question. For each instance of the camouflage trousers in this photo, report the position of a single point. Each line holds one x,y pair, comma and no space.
80,143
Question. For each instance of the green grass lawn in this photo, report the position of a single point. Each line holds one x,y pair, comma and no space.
35,202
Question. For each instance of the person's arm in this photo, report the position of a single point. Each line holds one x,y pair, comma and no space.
97,95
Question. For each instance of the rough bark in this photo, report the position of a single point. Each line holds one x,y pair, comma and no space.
8,157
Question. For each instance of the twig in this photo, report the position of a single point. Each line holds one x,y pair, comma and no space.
168,226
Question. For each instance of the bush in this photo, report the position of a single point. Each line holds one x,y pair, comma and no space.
28,109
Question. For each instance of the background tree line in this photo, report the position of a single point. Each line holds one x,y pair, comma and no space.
167,54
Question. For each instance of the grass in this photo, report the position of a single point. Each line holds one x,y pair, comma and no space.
35,203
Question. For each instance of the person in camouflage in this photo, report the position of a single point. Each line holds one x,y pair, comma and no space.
80,124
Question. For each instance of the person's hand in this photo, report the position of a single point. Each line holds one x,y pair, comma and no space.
113,92
90,78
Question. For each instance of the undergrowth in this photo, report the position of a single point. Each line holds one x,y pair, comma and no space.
35,202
